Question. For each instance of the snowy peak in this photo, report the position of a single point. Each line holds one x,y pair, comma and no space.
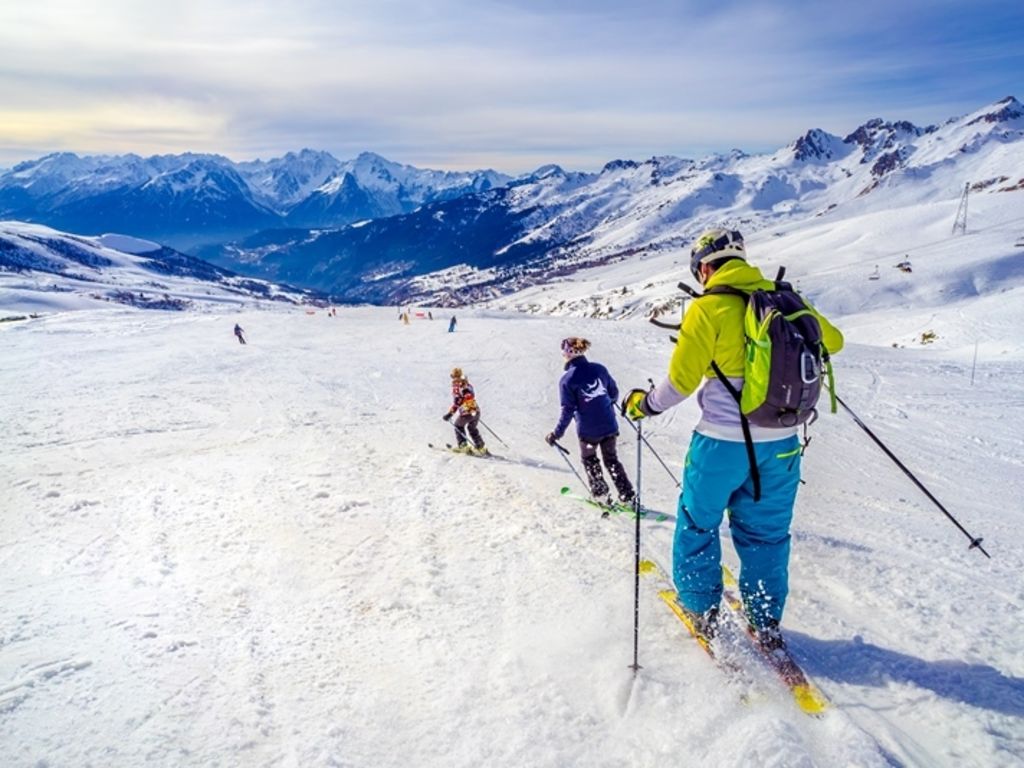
547,171
886,146
373,172
283,182
619,165
338,182
339,201
1008,112
419,185
876,136
818,145
61,173
202,179
370,186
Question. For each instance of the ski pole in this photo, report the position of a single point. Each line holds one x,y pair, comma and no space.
492,432
640,437
636,559
975,541
565,455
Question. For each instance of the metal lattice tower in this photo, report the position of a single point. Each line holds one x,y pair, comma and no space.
961,212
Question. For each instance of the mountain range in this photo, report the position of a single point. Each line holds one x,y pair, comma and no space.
189,199
552,222
369,230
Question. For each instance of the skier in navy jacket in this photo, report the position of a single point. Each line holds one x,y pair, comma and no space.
589,393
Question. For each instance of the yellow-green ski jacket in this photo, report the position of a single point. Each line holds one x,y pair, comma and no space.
713,330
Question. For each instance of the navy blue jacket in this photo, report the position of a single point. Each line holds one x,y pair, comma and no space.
589,393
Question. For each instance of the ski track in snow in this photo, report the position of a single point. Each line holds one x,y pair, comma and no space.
216,554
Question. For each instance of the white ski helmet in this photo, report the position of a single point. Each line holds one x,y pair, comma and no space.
716,245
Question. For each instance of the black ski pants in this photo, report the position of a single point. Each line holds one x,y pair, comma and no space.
610,457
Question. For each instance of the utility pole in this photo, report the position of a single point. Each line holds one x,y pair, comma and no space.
961,212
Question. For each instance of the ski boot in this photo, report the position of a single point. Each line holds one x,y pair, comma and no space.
769,637
705,623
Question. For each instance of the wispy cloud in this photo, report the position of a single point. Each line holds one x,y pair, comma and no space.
509,84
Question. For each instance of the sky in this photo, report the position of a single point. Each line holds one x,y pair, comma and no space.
509,85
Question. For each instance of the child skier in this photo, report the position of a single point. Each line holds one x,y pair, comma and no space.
588,393
464,404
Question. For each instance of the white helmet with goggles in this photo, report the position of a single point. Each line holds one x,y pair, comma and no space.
716,245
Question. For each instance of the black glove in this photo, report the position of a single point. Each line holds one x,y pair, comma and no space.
447,416
550,438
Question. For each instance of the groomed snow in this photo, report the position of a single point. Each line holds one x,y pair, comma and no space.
215,554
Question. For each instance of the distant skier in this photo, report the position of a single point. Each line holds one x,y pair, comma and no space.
451,325
588,393
467,415
239,333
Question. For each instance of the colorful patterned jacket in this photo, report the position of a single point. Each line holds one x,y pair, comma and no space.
463,397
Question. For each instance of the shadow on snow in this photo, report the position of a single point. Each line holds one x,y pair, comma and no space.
860,663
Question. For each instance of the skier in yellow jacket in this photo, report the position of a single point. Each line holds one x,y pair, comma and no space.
718,471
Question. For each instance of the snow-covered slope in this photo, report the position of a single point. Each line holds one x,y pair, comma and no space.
224,555
43,270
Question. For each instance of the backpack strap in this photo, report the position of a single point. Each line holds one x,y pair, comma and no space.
748,440
727,290
831,377
755,475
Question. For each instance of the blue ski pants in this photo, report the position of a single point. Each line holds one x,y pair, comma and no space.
717,478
